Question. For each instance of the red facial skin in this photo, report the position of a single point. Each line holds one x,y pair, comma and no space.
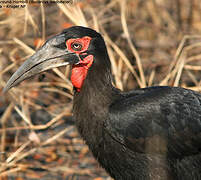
79,71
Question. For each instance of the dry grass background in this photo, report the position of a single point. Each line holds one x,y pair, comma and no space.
152,42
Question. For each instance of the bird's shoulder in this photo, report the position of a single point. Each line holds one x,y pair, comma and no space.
155,115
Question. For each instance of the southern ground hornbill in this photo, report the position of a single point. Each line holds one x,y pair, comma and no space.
150,133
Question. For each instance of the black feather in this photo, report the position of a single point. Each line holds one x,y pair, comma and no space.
150,133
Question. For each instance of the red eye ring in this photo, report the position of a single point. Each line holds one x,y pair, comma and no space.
76,46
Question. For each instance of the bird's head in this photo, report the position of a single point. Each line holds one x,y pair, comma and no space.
77,46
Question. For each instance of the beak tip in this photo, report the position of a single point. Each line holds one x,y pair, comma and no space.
8,86
5,89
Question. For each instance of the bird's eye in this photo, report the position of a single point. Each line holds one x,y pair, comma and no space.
76,46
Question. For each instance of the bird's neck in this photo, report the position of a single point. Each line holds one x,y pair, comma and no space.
92,102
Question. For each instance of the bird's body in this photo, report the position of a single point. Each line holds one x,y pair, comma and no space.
151,133
147,134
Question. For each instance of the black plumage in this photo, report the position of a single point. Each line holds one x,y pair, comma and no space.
152,133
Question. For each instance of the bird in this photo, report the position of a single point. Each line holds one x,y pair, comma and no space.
151,133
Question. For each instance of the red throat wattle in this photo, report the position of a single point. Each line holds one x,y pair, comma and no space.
79,71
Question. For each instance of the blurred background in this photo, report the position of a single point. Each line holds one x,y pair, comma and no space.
152,42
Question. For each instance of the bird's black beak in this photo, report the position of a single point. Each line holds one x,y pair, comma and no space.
52,54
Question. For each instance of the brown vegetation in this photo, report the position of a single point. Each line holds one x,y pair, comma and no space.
152,42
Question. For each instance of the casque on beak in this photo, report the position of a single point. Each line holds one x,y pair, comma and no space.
52,54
